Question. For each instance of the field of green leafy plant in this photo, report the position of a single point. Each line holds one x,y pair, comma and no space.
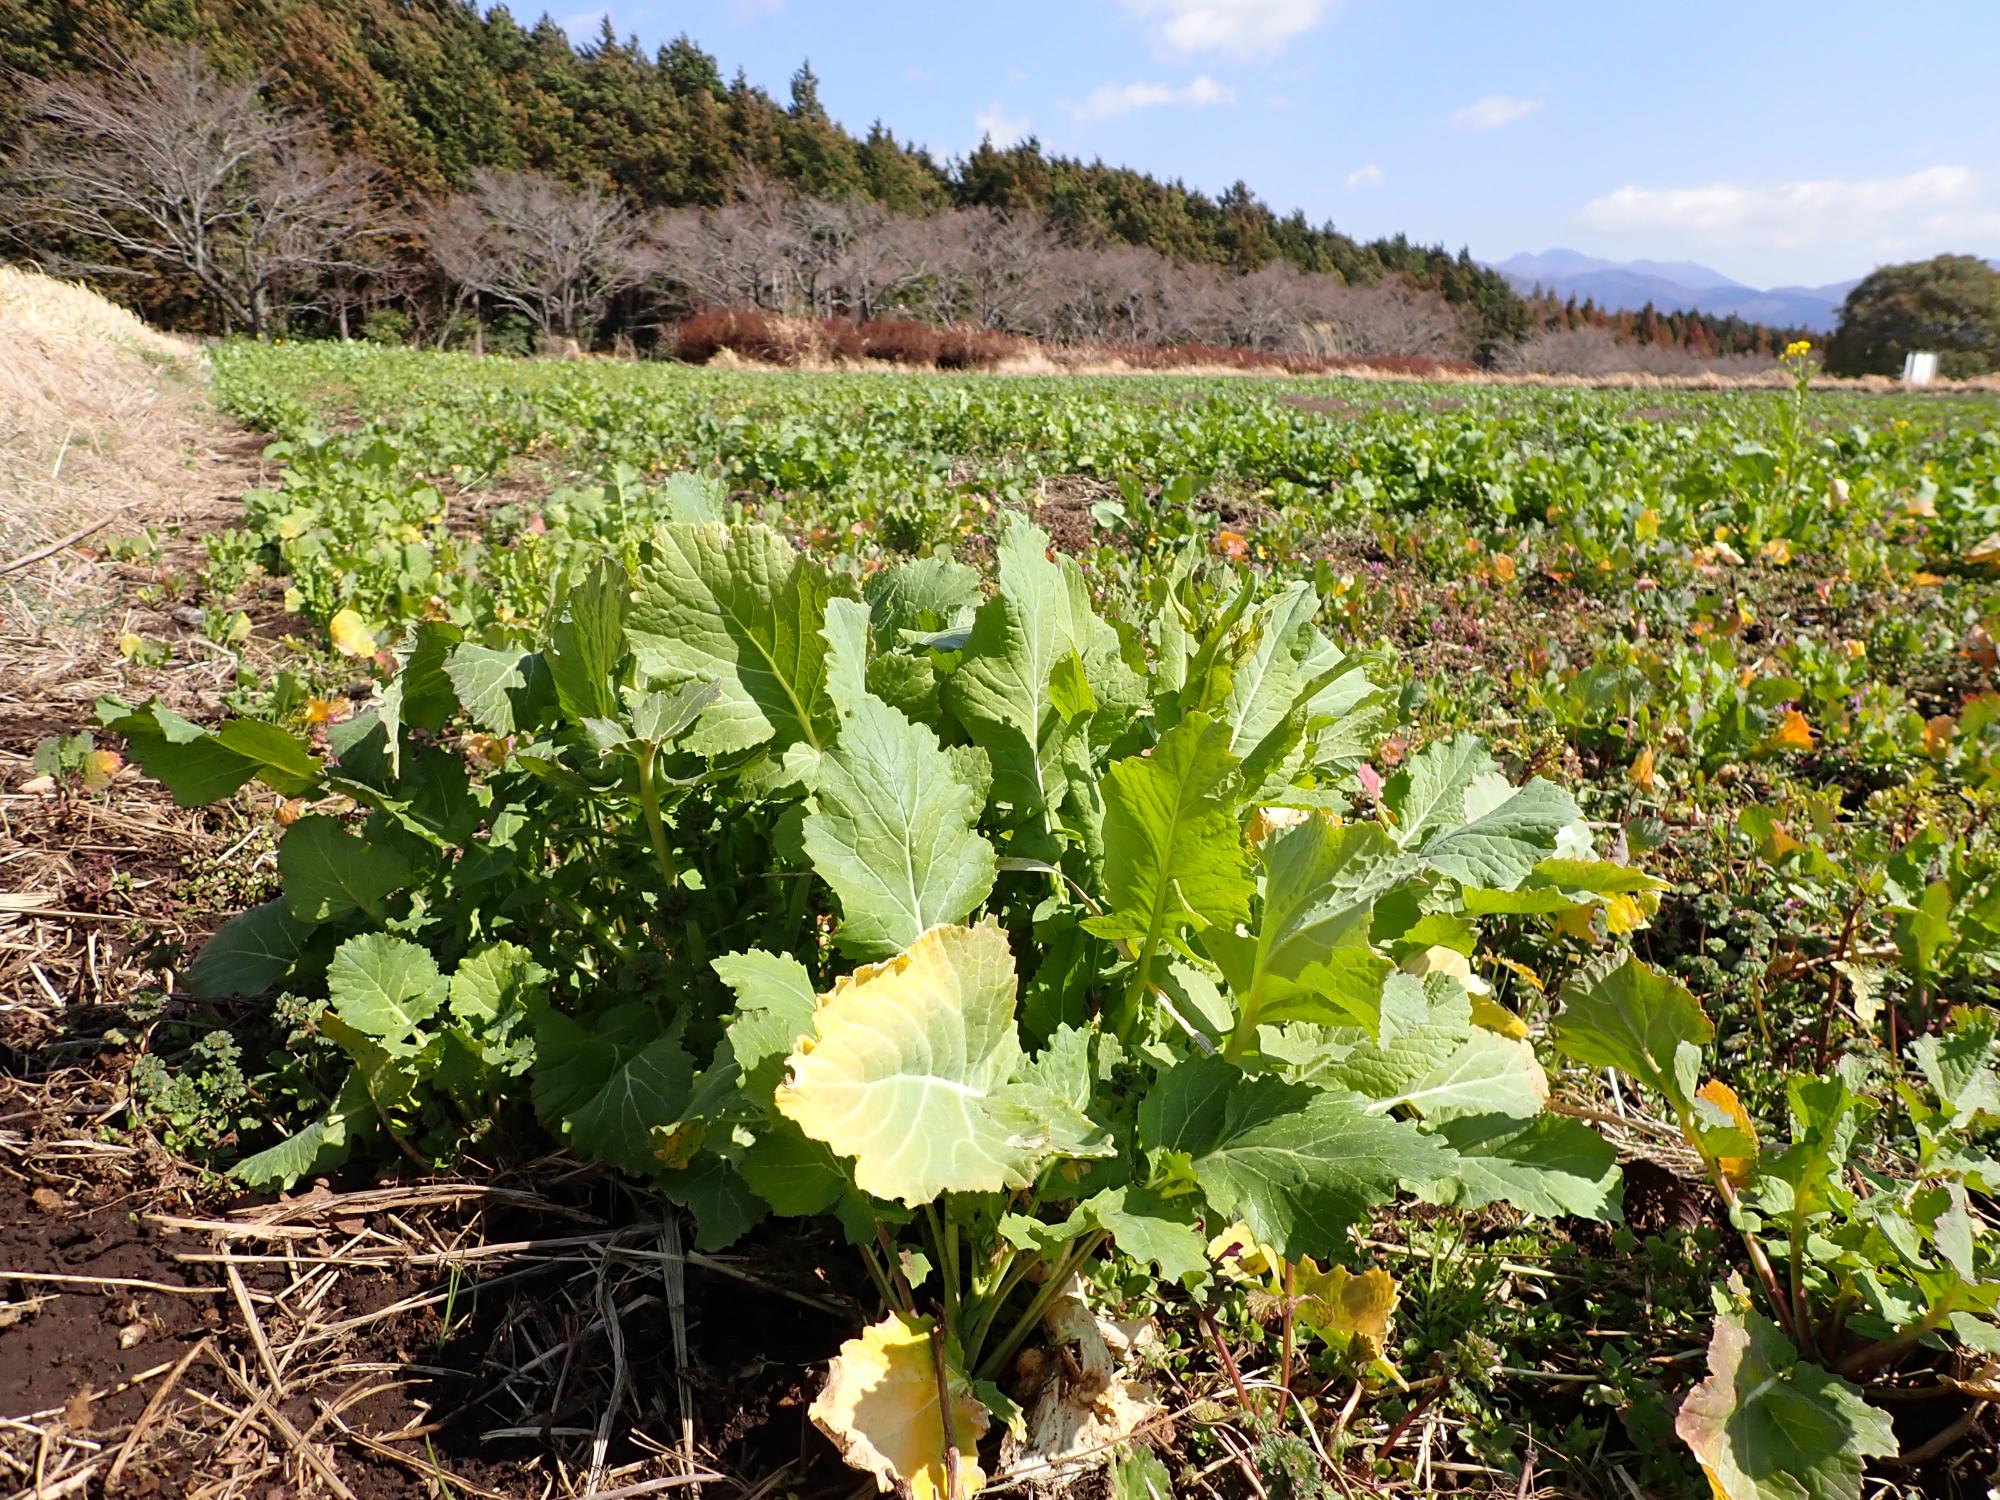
1471,910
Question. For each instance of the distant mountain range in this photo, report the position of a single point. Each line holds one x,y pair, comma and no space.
1675,286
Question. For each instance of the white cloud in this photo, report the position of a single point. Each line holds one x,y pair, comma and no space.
1368,176
1114,99
1238,28
743,12
1935,207
995,124
920,75
1494,111
584,26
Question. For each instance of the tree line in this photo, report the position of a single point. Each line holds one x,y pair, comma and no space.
595,190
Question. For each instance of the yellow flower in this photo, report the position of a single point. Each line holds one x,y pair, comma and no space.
1797,348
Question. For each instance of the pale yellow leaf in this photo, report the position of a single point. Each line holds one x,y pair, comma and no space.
1238,1256
351,636
1448,961
1494,1016
1349,1312
881,1409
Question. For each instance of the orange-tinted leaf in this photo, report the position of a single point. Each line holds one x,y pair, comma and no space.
1792,733
1736,1168
1641,773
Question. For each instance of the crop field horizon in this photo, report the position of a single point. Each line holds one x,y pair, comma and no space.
804,933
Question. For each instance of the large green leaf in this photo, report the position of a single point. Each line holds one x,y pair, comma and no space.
1308,958
723,1206
1300,1167
319,1147
1173,853
737,605
282,761
329,872
1024,676
1767,1425
895,832
1265,686
249,954
587,641
1151,1228
774,1008
607,1086
922,596
1426,1022
1624,1014
1487,1074
910,1072
493,992
1546,1167
1501,846
198,766
385,987
1429,792
502,689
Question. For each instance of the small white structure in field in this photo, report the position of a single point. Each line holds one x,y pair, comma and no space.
1919,369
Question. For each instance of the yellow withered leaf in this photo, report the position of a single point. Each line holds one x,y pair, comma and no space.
1266,821
99,766
1779,844
1736,1168
1628,911
1239,1257
1494,1016
1349,1312
351,636
1641,773
1984,554
1777,551
880,1407
1938,732
1792,733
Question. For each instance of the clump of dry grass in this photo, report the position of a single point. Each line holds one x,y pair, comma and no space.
93,413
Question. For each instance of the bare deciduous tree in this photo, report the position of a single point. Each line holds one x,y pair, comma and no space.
1388,317
160,166
553,252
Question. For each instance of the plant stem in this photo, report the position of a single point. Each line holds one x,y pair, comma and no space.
944,1412
1802,1324
1228,1361
649,805
1016,1267
1767,1276
1883,1350
1423,1404
1291,1306
895,1268
876,1275
1058,1278
947,1269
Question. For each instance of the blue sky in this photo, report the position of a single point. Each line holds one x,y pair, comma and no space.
1777,141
